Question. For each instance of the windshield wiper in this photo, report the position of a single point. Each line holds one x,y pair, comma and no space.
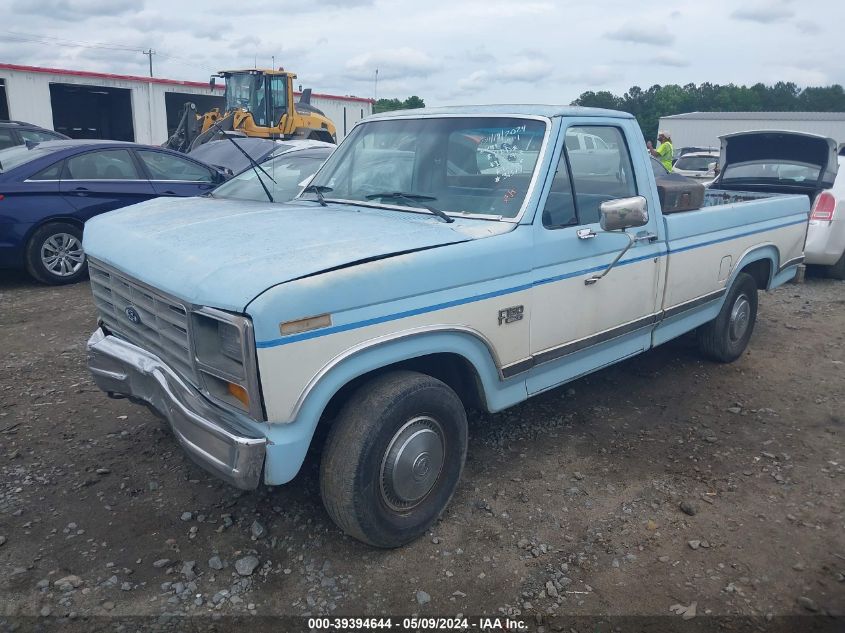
318,190
255,168
415,199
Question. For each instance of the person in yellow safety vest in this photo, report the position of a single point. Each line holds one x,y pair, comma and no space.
664,151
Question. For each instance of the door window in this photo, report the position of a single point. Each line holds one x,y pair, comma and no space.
559,210
7,139
50,173
110,164
602,174
168,167
36,136
279,97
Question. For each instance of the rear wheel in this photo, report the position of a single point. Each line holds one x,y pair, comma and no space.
837,271
393,458
54,254
725,338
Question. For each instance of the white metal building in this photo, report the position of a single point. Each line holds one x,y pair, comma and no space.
85,104
703,129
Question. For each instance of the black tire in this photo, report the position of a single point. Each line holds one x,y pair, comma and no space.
837,271
725,338
52,234
394,416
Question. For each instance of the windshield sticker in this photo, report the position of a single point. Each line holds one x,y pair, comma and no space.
502,152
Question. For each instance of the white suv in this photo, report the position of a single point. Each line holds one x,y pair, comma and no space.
699,165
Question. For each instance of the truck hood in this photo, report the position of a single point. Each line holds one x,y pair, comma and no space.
224,253
793,147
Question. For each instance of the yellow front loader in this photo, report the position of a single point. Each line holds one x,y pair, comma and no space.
259,103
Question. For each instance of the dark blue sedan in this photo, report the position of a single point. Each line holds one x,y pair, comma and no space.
49,190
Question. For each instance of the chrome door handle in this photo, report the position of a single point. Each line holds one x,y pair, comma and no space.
585,234
646,237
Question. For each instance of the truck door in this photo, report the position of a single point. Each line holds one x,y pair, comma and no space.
576,327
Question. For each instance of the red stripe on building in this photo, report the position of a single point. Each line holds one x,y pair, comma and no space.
148,80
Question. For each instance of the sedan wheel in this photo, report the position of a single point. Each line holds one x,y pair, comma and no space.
54,254
61,255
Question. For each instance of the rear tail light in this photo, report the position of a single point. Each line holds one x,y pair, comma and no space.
823,207
2,196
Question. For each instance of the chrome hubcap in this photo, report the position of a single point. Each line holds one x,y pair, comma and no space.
740,318
412,463
62,254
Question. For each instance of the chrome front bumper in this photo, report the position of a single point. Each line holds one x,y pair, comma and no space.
214,438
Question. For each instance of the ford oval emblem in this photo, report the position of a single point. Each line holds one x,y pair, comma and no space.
132,315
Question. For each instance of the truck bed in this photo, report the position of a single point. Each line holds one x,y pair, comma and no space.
716,197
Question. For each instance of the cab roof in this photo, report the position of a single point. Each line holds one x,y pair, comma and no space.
256,71
505,109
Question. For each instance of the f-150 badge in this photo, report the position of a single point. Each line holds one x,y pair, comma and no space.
512,314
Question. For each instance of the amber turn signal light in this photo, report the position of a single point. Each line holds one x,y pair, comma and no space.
240,393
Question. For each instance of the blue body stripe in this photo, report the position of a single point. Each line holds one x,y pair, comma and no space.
295,338
734,237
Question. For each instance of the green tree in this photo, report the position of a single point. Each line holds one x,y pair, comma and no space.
659,101
603,99
388,105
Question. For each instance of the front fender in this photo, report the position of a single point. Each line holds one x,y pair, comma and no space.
290,440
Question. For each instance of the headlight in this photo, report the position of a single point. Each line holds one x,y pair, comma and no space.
225,356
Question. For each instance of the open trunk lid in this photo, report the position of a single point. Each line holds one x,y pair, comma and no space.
775,161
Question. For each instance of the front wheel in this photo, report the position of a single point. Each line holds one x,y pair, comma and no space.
725,338
393,458
54,254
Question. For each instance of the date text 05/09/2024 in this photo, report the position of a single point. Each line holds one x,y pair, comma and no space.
417,624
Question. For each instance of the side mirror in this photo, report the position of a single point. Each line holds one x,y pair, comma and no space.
624,213
618,215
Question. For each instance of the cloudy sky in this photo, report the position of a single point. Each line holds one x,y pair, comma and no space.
446,51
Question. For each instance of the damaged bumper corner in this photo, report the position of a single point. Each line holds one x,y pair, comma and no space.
213,437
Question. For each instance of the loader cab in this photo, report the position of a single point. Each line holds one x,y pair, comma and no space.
266,95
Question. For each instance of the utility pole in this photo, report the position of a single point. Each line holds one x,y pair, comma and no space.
375,87
150,54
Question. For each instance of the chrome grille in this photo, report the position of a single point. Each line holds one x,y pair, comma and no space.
162,328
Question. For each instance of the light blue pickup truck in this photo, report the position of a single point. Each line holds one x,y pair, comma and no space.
441,259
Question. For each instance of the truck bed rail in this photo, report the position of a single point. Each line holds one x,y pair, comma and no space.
716,197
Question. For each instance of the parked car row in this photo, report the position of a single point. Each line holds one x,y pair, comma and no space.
50,188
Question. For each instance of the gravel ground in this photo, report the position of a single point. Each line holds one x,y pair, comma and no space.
665,486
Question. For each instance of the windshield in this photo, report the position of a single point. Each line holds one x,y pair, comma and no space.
772,170
247,91
291,174
16,156
470,165
225,153
696,163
